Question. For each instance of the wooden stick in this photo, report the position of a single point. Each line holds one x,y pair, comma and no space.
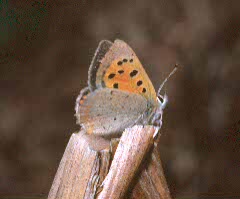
150,182
133,146
85,161
84,171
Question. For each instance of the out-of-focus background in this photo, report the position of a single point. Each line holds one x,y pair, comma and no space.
45,51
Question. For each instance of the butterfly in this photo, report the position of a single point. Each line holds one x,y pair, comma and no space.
119,93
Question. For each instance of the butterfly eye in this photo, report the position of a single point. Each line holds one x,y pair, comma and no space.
161,99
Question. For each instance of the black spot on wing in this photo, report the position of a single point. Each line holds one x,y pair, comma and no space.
121,71
133,73
119,63
139,83
115,85
112,75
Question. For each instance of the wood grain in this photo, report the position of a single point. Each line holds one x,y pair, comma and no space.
133,146
81,169
94,167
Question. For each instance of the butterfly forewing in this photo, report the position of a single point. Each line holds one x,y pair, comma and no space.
121,69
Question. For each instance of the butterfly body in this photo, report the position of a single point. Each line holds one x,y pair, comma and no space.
119,93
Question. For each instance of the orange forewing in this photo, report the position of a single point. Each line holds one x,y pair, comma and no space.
129,76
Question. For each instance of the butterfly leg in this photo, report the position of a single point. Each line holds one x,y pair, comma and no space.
157,120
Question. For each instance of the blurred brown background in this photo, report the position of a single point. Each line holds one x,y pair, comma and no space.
46,49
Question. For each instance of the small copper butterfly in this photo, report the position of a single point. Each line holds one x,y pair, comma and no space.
119,93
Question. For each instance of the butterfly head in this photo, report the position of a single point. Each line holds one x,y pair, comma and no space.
162,102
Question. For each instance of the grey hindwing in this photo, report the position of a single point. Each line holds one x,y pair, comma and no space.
109,111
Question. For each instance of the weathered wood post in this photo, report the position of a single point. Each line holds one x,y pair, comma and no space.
91,168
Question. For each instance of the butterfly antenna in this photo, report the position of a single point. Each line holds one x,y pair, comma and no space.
166,79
